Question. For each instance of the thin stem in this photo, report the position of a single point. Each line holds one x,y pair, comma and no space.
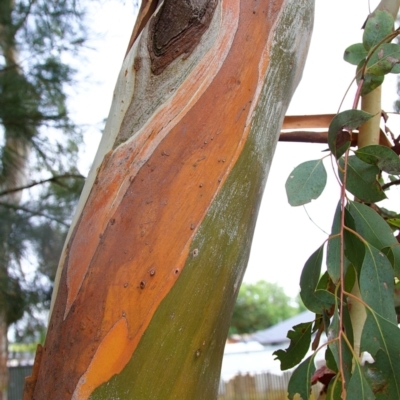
356,234
389,184
345,95
361,301
309,217
342,228
358,94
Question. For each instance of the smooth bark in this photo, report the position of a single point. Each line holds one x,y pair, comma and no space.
160,243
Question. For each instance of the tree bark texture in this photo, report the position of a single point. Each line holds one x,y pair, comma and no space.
154,260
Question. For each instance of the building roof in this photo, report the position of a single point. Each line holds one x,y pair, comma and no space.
278,333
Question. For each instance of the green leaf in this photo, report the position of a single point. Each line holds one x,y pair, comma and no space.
378,26
355,53
384,378
371,82
348,325
339,137
333,251
361,180
350,278
375,230
300,339
396,69
330,360
371,226
377,283
393,255
384,59
394,222
306,182
381,156
335,389
354,248
381,334
315,300
324,283
381,338
358,387
300,381
333,332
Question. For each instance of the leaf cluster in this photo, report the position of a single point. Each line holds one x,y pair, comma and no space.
361,251
375,56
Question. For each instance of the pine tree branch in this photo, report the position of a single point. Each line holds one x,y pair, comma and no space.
54,179
22,21
33,213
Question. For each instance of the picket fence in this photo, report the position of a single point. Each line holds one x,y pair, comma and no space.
265,386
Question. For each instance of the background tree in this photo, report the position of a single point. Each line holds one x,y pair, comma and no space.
38,144
260,305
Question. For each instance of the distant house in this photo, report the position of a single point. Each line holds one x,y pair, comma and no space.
254,355
277,334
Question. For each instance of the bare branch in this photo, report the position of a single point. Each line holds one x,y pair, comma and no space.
35,183
34,213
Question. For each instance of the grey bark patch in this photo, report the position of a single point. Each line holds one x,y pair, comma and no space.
177,29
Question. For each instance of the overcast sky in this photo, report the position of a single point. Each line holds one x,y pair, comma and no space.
285,236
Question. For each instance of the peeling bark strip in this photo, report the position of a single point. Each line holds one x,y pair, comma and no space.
177,29
150,274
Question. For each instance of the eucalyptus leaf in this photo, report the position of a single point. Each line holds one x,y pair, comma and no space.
300,340
381,156
350,278
354,248
371,82
394,222
381,334
377,283
300,381
361,180
334,247
335,389
395,69
355,53
379,25
339,137
333,333
387,385
330,360
381,338
358,387
384,59
306,182
371,226
315,301
347,324
393,255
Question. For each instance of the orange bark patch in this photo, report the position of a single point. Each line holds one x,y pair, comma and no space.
113,352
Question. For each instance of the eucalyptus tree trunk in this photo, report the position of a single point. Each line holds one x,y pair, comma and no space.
153,263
